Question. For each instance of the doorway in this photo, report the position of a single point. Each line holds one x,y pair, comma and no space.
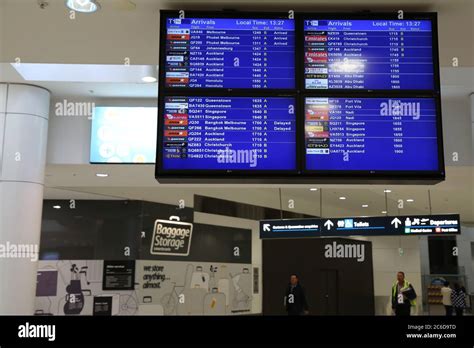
333,286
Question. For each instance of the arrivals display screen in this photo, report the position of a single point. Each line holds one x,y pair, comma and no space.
371,134
228,133
368,54
274,97
243,53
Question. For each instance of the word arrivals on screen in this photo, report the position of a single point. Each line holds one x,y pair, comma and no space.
361,226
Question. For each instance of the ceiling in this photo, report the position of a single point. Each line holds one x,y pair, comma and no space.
455,195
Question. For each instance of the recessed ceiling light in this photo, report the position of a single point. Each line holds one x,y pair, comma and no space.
149,79
102,175
342,198
56,206
365,205
387,191
410,200
313,189
383,212
83,6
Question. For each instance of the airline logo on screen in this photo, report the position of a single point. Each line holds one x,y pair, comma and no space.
171,238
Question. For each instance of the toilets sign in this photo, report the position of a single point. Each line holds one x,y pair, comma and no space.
361,226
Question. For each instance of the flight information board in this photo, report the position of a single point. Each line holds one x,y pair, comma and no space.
230,53
368,54
229,133
371,134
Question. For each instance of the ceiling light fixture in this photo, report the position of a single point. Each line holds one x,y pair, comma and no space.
387,191
102,175
56,206
83,6
313,189
149,79
342,198
365,205
409,200
384,212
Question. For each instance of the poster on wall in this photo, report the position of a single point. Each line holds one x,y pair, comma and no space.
161,288
193,288
79,290
119,275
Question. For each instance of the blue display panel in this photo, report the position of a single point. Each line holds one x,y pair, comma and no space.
230,53
229,133
371,134
123,135
368,54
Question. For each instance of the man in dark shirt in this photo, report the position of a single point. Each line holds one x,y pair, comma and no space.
295,298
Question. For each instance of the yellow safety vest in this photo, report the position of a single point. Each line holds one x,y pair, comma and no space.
406,284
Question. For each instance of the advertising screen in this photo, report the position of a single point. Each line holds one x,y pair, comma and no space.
229,133
123,135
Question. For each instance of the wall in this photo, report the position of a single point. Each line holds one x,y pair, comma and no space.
77,240
387,262
256,245
465,243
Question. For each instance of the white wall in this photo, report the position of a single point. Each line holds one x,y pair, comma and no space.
256,245
387,262
466,258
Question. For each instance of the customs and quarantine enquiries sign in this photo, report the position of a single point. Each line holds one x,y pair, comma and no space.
171,238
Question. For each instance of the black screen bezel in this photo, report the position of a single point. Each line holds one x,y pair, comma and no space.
300,175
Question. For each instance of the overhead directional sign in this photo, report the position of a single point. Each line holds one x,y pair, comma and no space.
361,226
353,226
428,224
290,228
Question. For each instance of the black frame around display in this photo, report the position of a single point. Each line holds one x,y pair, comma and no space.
300,175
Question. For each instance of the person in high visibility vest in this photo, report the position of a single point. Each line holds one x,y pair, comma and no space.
403,296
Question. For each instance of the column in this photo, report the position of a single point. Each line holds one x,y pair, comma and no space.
24,111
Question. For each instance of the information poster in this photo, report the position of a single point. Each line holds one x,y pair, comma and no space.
119,275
